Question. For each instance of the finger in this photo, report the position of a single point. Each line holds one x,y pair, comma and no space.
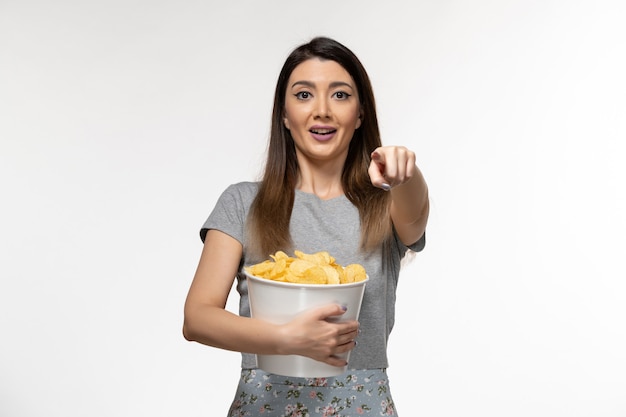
335,361
378,157
328,310
399,166
390,162
409,166
346,347
393,169
376,176
347,339
342,350
346,332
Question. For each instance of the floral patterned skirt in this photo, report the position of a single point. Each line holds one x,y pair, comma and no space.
354,393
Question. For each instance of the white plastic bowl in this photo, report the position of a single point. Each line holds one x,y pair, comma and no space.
279,302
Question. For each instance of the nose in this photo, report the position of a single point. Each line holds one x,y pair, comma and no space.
322,109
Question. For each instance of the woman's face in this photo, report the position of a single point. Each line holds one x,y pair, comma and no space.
322,110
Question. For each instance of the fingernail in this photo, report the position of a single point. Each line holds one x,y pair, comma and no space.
344,307
385,186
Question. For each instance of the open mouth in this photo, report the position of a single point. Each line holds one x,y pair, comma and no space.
323,131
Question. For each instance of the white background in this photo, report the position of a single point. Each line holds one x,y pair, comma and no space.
121,121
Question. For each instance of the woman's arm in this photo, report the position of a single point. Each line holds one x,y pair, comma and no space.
393,168
208,322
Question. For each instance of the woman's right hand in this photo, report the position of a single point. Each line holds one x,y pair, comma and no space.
317,334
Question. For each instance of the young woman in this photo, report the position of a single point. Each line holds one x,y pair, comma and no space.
329,185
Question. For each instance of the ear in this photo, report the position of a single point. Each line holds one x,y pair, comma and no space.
358,121
286,122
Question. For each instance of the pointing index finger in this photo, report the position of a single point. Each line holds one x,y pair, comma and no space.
377,170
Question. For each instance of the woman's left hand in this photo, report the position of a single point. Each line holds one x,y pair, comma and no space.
391,166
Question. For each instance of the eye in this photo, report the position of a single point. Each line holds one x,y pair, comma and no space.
303,95
341,95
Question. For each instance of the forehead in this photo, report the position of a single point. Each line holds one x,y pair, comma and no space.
322,71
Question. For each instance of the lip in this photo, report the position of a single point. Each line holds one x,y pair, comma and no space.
322,136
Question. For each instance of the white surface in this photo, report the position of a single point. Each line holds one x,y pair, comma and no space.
122,121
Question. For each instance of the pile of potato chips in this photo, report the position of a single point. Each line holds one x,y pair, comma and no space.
316,268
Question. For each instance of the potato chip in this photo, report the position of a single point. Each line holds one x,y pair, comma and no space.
354,273
332,276
298,266
261,269
279,256
313,275
304,268
319,258
279,272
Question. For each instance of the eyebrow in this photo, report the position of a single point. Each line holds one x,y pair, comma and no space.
334,84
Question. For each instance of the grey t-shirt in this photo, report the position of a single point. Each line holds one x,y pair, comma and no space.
323,225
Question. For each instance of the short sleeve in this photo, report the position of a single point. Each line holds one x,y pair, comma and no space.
419,245
230,211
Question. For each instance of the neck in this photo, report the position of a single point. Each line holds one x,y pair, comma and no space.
323,179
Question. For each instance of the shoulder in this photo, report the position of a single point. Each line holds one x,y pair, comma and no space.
245,191
236,198
230,211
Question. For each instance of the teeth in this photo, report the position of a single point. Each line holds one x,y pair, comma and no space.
322,131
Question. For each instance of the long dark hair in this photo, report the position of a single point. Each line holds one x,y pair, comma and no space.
268,222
